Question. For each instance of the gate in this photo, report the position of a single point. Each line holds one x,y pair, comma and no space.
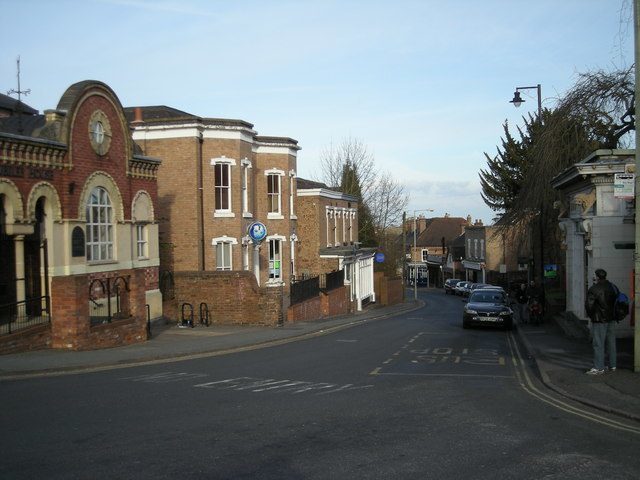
108,300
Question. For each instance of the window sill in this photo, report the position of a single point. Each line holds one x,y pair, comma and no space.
274,283
293,217
275,216
101,262
224,215
247,215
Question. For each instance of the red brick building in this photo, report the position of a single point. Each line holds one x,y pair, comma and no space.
218,177
328,231
428,243
78,238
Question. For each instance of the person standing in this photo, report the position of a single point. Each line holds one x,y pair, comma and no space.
534,303
600,304
522,298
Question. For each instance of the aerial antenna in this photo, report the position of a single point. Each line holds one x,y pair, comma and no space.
20,93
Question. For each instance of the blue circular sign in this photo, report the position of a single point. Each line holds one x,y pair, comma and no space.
379,257
257,231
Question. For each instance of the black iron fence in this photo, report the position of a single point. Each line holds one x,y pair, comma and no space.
331,281
307,288
19,315
302,290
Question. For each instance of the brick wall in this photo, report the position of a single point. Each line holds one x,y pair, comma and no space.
34,338
309,235
335,302
182,238
310,309
70,325
312,232
326,304
177,207
233,298
388,290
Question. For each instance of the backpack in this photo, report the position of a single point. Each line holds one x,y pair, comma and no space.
621,306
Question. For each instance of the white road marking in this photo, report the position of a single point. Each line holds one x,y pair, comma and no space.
294,387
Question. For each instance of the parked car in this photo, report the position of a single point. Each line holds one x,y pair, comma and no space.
460,287
493,287
475,286
496,288
487,307
466,289
450,285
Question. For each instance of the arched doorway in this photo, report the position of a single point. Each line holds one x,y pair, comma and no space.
35,262
8,263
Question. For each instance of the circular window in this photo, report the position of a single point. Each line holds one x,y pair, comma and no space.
99,132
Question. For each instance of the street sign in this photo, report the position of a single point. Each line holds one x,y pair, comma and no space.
550,270
379,257
257,232
623,186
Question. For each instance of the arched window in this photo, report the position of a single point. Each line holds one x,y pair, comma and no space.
99,226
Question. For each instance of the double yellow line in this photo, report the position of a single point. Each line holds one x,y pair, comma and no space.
528,386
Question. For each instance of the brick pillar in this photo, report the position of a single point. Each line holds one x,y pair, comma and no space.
137,298
69,311
271,305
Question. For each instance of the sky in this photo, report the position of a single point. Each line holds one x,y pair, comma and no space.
424,85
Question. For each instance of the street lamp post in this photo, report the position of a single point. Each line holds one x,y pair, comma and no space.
517,101
415,272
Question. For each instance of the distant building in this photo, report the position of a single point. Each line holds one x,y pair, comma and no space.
428,246
490,256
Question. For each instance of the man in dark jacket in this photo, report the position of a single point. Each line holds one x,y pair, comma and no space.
600,303
522,298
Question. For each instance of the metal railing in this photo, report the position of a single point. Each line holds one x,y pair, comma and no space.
18,315
204,314
332,280
105,300
304,289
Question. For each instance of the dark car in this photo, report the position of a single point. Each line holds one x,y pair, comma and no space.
498,289
487,307
450,285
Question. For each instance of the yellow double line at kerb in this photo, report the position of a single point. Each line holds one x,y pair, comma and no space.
531,389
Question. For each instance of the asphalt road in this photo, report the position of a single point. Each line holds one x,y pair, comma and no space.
414,396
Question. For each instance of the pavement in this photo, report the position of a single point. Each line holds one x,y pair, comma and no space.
561,351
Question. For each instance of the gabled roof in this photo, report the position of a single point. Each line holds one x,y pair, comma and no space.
162,114
13,107
308,188
458,241
22,124
439,227
600,162
303,184
157,112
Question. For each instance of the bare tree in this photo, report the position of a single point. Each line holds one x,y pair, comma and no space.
387,202
351,152
350,167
